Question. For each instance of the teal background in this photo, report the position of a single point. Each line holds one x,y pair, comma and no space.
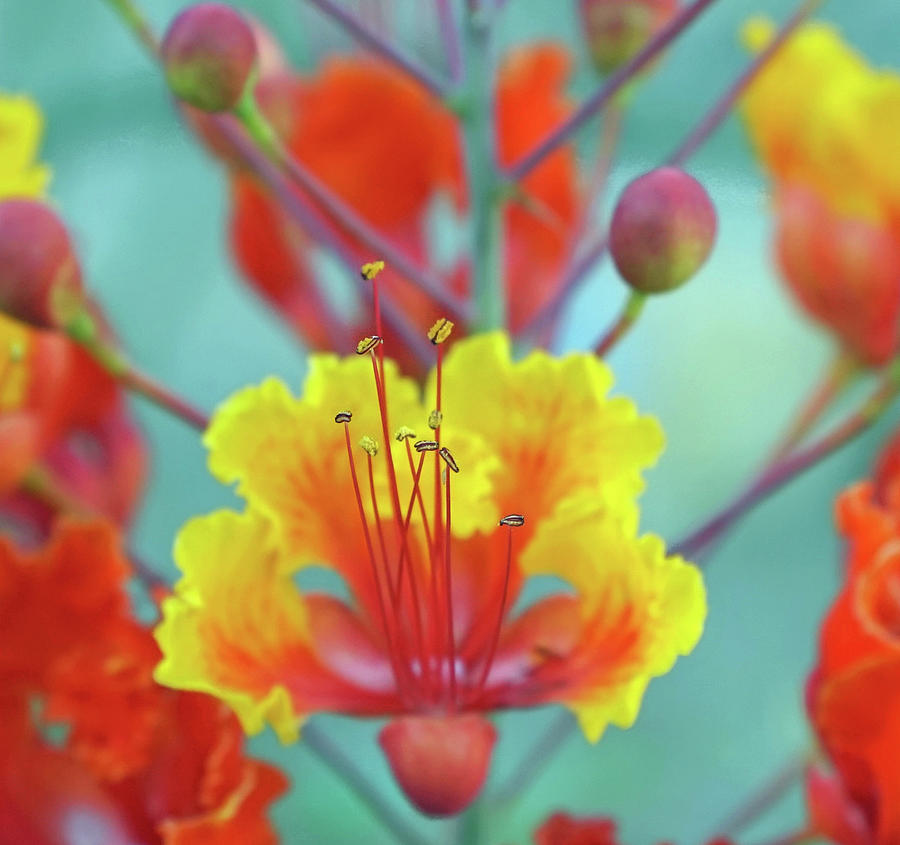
721,363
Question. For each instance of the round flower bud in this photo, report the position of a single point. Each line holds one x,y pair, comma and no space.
439,761
40,280
616,30
209,54
663,229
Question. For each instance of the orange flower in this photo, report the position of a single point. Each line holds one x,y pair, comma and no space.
55,441
854,693
825,126
390,150
563,829
428,633
140,764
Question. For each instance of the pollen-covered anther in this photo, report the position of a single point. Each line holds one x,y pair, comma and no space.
435,418
404,433
426,445
514,520
449,459
440,331
369,445
367,344
371,269
343,417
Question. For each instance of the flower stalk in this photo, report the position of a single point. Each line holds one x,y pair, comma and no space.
629,316
775,477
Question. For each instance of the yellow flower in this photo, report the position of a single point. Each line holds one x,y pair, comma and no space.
826,125
21,127
429,623
821,117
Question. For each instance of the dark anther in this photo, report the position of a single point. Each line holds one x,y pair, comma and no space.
426,445
513,519
343,417
449,459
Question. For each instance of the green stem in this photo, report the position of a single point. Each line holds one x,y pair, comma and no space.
482,175
629,316
137,23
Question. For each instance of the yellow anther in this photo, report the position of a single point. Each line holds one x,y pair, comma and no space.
435,418
367,344
371,269
404,433
343,417
514,519
449,459
440,331
369,445
426,445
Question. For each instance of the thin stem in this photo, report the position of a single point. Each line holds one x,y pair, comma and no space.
775,477
764,798
299,209
137,23
564,132
261,132
163,398
482,176
378,45
450,36
629,316
717,114
84,331
347,770
537,757
840,373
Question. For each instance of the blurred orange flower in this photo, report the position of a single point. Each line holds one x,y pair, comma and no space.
827,128
853,695
391,150
429,632
139,764
564,829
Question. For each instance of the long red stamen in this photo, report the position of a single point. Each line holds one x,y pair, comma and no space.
418,490
389,640
448,590
385,562
498,625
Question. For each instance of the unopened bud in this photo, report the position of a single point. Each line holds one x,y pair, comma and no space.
435,418
440,762
616,30
663,229
40,280
369,445
209,55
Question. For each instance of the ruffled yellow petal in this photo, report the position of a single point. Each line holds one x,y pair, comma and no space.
640,608
236,626
820,116
21,127
550,422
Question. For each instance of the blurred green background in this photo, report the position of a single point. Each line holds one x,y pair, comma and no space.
722,363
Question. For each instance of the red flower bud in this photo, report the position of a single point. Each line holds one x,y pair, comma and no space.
440,762
40,280
663,229
617,29
209,54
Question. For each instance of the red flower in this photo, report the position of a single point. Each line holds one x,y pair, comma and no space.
140,764
65,431
563,829
853,695
389,149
